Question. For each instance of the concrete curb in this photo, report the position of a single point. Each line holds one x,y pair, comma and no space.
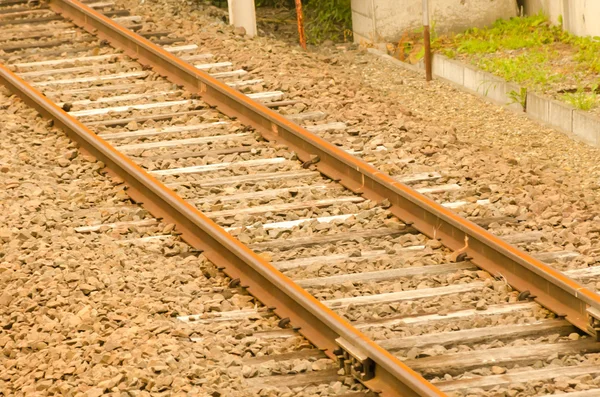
558,115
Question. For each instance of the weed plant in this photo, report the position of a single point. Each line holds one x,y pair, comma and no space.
582,99
328,20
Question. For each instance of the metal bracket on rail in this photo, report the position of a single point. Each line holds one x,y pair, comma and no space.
354,362
594,320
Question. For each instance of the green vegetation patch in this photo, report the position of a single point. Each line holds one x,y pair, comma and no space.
328,20
512,34
323,19
527,50
531,68
582,98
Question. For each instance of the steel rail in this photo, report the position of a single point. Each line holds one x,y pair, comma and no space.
549,287
372,365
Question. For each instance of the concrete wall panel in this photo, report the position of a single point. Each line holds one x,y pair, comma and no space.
538,107
391,18
485,84
394,17
472,78
437,65
586,127
363,7
362,27
561,115
454,71
580,17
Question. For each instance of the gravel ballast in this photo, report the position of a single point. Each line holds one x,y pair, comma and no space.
85,314
544,179
149,288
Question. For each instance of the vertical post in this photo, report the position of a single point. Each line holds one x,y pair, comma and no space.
242,13
300,18
427,41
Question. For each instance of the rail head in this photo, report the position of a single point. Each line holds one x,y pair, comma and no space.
371,365
551,288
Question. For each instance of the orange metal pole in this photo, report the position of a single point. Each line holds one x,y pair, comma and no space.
300,17
427,41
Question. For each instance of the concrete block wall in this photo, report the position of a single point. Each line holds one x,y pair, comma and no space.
363,21
538,107
381,21
580,17
587,127
386,20
559,115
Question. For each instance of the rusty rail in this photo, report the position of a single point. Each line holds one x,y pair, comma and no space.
373,366
552,289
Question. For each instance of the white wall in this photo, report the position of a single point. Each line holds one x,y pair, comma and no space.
580,17
386,20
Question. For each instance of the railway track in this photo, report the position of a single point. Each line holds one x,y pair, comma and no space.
378,262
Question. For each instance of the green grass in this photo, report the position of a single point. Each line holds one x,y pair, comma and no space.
588,55
528,68
328,20
512,34
582,99
533,33
519,97
529,50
